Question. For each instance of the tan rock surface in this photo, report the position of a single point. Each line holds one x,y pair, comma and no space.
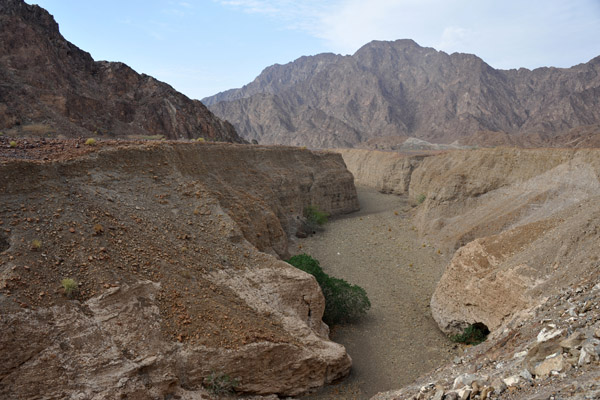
532,213
163,241
525,227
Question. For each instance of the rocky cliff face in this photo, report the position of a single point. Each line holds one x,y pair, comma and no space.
50,87
168,245
505,211
399,89
524,224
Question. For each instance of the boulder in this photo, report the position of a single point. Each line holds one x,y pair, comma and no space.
554,363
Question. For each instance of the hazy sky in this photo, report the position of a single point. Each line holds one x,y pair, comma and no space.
202,47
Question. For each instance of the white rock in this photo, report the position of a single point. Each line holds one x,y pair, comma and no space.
464,392
546,335
512,380
464,380
520,354
427,387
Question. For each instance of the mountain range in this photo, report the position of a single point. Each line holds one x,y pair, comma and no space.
49,87
389,91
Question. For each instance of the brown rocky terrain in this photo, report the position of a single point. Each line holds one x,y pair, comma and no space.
389,91
174,249
525,226
51,88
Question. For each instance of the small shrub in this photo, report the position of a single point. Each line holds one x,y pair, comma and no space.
473,334
220,384
98,229
70,286
421,198
36,244
12,144
315,218
343,302
90,142
201,140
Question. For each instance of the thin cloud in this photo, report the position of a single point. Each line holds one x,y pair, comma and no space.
506,34
455,38
297,15
254,6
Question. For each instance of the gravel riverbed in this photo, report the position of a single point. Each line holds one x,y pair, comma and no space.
378,249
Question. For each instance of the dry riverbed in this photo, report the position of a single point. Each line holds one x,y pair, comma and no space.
378,249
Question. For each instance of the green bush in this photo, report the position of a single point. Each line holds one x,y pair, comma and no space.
473,334
421,198
220,384
343,302
36,244
315,218
70,287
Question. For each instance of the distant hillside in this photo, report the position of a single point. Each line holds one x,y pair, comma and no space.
388,91
50,87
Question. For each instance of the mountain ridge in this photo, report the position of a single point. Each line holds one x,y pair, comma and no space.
391,89
50,88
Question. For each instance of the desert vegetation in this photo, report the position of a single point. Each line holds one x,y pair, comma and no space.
220,384
343,302
473,334
70,287
314,218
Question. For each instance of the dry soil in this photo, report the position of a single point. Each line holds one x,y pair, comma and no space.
378,248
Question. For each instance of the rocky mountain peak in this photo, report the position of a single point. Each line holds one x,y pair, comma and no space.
53,88
398,89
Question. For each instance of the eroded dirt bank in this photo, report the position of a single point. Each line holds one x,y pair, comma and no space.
378,249
168,245
525,225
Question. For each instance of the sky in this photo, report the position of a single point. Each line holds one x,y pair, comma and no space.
202,47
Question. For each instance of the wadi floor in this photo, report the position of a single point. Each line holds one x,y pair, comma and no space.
378,249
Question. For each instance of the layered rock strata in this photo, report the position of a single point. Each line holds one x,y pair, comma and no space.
168,245
523,226
523,222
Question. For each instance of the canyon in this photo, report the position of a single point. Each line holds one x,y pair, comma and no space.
175,249
523,229
146,262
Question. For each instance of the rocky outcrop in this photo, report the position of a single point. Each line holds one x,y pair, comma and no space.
168,245
388,172
52,88
505,210
388,91
524,224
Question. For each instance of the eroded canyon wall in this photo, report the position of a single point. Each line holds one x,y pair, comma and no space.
169,247
524,224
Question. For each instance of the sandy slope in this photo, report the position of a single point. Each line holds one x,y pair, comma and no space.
378,249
